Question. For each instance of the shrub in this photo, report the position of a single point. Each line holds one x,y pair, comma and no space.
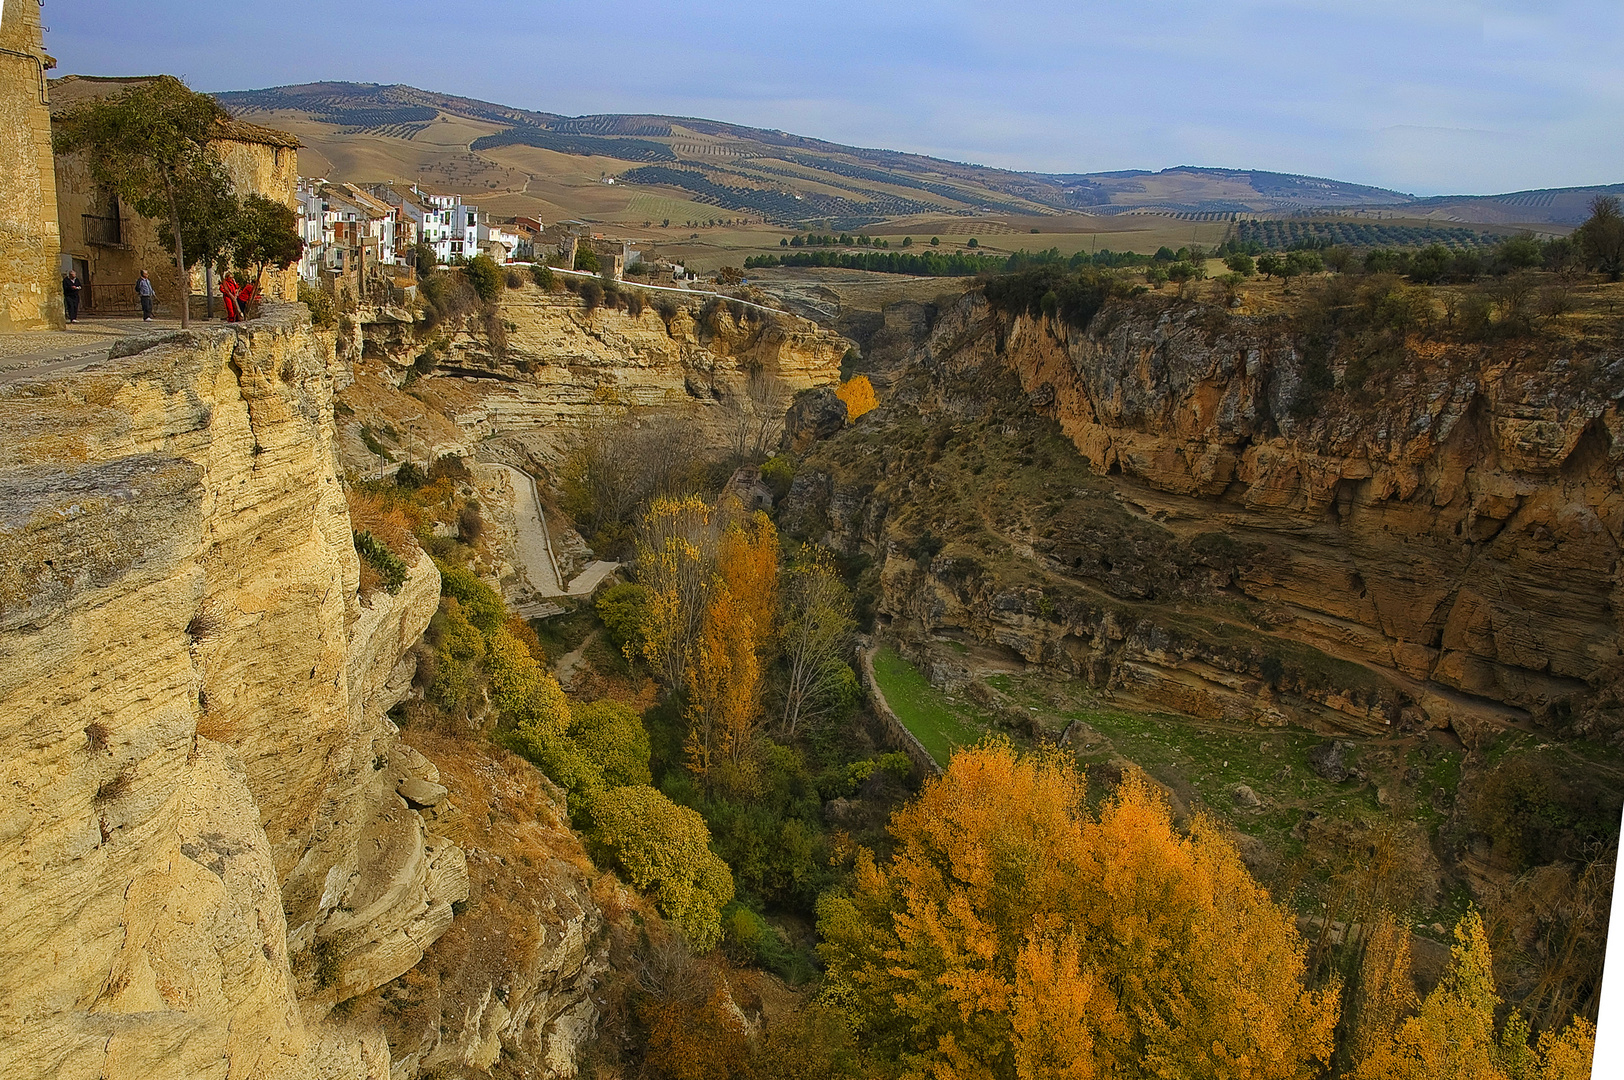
612,735
1242,263
544,277
485,277
479,600
323,308
514,279
591,293
665,848
390,567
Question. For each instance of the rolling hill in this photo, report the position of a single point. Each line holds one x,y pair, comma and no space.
511,155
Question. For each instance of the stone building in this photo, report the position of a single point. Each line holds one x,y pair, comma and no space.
30,291
110,244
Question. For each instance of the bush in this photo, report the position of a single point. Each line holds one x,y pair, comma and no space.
514,279
591,294
323,308
665,848
624,611
391,568
612,735
778,473
544,277
410,476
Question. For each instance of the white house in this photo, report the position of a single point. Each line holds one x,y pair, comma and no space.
444,222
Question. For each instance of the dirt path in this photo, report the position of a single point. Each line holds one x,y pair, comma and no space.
570,661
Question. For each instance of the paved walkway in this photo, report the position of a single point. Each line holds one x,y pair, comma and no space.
42,352
535,551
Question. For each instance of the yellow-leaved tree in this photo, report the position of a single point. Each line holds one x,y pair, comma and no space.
676,561
858,394
724,695
1452,1037
1015,934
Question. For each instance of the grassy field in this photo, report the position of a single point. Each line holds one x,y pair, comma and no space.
937,720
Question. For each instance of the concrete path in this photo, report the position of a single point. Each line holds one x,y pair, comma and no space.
535,547
535,550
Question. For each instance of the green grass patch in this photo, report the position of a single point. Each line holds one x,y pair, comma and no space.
937,721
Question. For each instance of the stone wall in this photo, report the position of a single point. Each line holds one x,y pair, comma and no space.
30,293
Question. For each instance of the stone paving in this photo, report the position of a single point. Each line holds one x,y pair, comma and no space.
40,352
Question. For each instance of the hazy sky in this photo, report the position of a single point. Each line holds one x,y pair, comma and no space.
1426,96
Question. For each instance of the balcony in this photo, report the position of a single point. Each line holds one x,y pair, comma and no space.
103,231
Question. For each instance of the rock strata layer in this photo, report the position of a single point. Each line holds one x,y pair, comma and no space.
205,823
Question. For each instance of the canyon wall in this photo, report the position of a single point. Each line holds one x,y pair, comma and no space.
513,386
1437,542
210,832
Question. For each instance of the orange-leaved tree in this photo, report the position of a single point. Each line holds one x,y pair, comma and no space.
1015,934
1453,1037
747,562
724,694
858,394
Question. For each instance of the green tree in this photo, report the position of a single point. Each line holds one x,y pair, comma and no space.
972,242
1241,263
1269,265
485,276
1602,236
151,146
586,259
425,259
264,233
907,241
665,849
936,241
612,735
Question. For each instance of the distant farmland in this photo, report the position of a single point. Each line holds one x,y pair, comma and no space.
1282,235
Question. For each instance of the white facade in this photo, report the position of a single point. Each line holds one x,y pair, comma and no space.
336,220
444,222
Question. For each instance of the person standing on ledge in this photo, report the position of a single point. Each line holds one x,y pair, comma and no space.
70,295
143,289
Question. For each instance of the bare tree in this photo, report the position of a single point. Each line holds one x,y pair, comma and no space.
769,400
816,634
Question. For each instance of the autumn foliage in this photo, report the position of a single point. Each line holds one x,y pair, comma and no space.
858,394
1452,1036
1016,934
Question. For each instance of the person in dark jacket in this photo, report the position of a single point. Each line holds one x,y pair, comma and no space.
70,294
143,289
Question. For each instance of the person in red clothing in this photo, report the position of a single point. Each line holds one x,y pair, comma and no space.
229,292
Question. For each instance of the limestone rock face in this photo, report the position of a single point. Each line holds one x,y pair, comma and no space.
1439,543
198,776
554,365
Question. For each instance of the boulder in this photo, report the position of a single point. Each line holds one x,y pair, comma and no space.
815,415
1326,759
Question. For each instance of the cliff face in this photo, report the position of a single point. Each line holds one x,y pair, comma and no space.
544,364
1445,537
210,832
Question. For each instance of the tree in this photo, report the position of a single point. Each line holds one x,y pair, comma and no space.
1602,236
731,275
1269,265
815,635
613,736
769,398
1452,1037
936,241
724,695
1386,992
1015,934
907,241
665,849
265,233
1241,263
425,259
485,276
151,147
586,259
676,557
858,394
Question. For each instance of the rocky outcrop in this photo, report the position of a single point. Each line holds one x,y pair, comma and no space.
1434,538
203,840
515,384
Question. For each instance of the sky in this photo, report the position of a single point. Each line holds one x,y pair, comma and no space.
1422,96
